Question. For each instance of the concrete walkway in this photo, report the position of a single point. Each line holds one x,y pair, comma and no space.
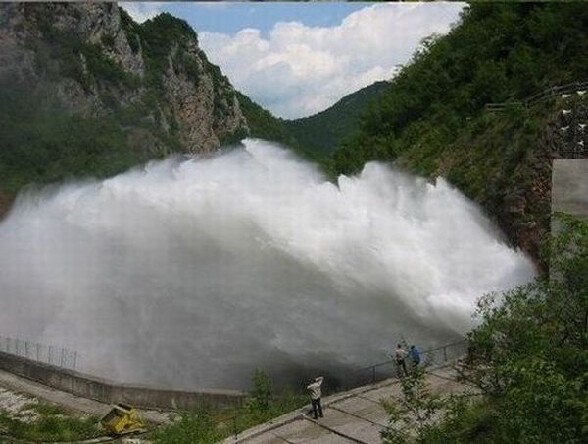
356,416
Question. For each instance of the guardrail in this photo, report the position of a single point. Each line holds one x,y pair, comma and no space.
569,88
569,139
109,392
432,358
499,107
48,354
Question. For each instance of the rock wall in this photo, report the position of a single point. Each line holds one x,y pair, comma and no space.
91,57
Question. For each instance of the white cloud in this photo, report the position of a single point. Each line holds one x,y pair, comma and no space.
299,70
141,12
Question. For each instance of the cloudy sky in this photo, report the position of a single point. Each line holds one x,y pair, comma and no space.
297,59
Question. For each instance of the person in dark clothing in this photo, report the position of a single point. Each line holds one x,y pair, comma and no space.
415,356
315,396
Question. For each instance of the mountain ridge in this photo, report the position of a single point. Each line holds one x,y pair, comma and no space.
434,121
325,130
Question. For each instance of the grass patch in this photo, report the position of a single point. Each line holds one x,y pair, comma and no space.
45,409
53,425
208,426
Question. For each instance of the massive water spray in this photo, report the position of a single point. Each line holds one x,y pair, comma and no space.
191,273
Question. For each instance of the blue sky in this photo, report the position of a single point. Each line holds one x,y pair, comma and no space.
299,58
227,17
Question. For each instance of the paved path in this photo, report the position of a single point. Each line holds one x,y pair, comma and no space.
356,416
67,400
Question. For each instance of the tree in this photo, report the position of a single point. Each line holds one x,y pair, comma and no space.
261,395
529,355
412,415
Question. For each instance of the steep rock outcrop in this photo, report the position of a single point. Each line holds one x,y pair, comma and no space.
95,61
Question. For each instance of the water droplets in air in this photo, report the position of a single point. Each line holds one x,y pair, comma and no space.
192,273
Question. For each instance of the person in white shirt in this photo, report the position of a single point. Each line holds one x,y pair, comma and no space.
315,396
400,356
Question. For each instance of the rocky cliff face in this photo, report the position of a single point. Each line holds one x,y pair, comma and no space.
93,60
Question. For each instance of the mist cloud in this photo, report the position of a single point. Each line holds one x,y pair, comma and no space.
192,273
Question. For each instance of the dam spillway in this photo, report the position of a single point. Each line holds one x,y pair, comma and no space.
194,272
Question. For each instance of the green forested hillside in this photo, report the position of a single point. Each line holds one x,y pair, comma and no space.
262,124
41,142
528,354
499,52
433,122
322,132
85,91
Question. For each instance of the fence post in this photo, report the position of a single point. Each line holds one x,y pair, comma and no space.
59,356
373,374
444,354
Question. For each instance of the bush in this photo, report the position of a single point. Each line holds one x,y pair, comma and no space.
196,427
261,396
50,427
529,356
411,415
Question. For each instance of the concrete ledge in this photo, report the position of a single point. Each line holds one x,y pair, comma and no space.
110,392
298,414
326,402
569,189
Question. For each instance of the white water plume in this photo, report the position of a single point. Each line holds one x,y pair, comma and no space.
192,273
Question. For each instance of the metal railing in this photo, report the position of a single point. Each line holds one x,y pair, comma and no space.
569,132
502,106
432,358
568,89
49,354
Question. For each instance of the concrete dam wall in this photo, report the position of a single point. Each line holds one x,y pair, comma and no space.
570,187
110,392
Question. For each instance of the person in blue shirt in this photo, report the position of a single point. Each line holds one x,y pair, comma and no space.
415,356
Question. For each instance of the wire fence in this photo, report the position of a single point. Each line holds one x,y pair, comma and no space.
49,354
